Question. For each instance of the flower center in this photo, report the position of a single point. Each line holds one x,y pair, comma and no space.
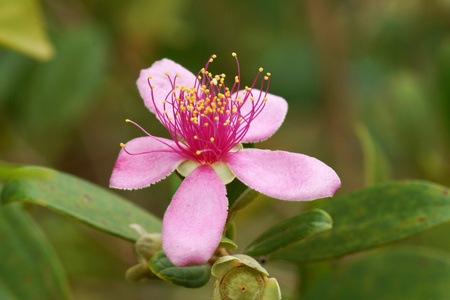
208,119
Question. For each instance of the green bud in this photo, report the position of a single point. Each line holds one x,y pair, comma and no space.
144,249
240,277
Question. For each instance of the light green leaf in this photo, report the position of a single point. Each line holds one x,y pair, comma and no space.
192,276
290,231
376,167
373,217
404,273
79,199
227,243
29,268
22,28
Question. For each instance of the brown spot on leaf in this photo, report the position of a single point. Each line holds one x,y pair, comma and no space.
445,192
421,220
87,197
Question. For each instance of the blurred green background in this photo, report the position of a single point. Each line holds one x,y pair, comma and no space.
367,82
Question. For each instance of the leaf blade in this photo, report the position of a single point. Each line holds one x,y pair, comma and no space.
381,214
79,199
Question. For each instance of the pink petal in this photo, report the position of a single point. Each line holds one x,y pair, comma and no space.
162,83
268,121
284,175
138,171
194,221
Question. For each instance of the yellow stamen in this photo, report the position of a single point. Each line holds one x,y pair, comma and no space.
122,145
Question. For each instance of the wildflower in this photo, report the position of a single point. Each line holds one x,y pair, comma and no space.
207,122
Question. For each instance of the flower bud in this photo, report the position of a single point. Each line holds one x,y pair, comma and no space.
240,277
144,249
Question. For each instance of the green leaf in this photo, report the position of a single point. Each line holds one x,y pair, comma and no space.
244,199
373,217
376,167
405,273
227,243
29,268
290,231
192,276
79,199
22,28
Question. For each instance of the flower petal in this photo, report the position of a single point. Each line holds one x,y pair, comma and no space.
138,171
268,121
284,175
163,85
194,221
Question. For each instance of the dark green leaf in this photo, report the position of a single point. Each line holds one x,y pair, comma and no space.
29,268
290,231
22,28
81,200
67,85
372,217
405,273
192,276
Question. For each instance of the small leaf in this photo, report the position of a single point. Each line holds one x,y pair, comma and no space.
376,167
227,243
22,28
79,199
244,199
372,217
192,276
290,231
29,268
404,273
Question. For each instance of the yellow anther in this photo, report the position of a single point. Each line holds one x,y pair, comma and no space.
170,118
199,77
214,56
178,75
261,69
176,85
234,54
165,112
211,139
166,73
266,77
251,98
227,111
195,137
206,124
210,60
236,78
216,118
268,74
153,86
127,120
198,152
150,77
227,121
265,99
240,119
122,145
164,102
173,92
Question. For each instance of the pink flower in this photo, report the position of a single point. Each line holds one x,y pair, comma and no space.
207,122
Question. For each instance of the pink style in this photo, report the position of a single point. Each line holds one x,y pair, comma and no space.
208,122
